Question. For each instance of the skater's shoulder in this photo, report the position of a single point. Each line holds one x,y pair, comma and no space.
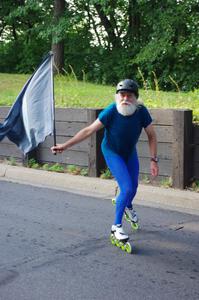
144,115
109,109
141,107
106,114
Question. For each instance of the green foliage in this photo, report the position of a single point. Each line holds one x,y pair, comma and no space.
84,172
106,174
69,92
22,23
56,168
172,47
12,161
45,167
167,182
106,41
73,169
146,179
32,163
195,186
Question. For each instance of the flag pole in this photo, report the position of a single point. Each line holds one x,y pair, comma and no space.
54,123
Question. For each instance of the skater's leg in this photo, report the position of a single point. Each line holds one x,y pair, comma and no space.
119,170
133,168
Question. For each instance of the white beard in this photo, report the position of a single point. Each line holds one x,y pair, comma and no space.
126,110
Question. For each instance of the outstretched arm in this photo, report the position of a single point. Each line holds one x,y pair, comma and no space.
153,148
80,136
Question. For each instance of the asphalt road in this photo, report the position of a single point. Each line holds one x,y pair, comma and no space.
55,245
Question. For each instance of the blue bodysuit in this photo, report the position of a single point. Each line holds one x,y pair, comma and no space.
119,150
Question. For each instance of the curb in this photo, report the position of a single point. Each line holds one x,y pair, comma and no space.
159,197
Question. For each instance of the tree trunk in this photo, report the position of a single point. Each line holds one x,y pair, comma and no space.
113,39
134,21
58,48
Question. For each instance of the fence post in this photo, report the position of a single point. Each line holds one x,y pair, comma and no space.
96,161
195,151
182,148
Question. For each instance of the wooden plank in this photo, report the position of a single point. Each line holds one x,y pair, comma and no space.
164,150
188,149
92,166
11,150
100,163
196,134
83,146
178,150
71,114
4,111
162,116
96,159
182,152
164,134
67,157
61,114
196,170
6,141
165,166
2,120
69,128
196,154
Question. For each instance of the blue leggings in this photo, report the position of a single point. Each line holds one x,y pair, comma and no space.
126,173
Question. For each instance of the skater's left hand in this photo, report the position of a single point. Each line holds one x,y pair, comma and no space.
154,169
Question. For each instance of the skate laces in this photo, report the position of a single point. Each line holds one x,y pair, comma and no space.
120,230
132,214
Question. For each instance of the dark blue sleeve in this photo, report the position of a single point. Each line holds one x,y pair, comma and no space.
104,116
146,117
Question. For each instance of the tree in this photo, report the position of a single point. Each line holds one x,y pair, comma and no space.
58,41
106,39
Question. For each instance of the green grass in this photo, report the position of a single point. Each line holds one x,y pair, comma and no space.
70,92
71,169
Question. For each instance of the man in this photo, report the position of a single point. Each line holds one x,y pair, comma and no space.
123,121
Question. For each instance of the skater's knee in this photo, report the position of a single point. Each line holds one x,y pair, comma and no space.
128,192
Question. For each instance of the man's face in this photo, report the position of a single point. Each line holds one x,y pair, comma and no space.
126,103
126,98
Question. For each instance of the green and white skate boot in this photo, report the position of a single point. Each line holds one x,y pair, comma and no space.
120,239
131,217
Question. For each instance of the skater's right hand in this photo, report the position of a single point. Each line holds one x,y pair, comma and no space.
59,148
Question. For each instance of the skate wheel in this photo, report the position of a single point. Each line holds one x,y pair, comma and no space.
123,247
134,226
117,243
112,239
128,248
121,244
113,201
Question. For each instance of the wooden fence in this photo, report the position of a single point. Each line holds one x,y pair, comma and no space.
178,144
68,122
196,152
